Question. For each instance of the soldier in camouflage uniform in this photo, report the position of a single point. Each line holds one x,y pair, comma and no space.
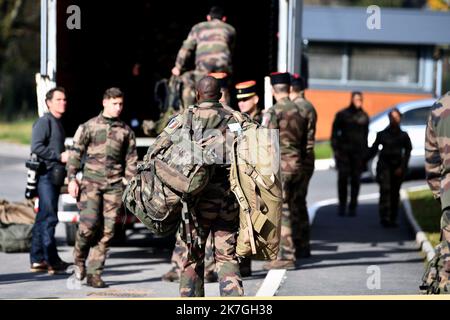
216,209
349,143
307,110
437,166
391,168
111,159
285,116
212,42
210,267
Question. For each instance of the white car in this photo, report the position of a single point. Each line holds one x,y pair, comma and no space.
414,120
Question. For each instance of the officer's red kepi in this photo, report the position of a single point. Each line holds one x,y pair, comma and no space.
245,89
297,80
280,78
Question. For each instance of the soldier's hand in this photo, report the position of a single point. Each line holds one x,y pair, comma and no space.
176,71
65,156
74,188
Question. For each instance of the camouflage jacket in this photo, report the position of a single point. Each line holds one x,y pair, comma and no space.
437,156
212,42
350,131
258,116
308,112
285,116
110,149
396,148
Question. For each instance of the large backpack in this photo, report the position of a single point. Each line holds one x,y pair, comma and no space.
435,280
255,180
173,172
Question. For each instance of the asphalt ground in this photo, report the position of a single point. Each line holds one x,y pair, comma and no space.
351,256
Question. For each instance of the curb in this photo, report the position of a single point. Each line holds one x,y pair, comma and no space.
421,238
324,164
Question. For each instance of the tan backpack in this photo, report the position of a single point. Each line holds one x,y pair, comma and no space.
256,182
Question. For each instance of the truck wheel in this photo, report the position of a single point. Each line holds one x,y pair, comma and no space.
71,232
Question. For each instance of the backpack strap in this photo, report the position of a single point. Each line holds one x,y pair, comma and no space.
237,190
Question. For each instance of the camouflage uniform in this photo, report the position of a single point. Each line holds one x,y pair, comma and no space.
286,117
217,212
212,42
349,143
394,155
437,167
111,156
302,238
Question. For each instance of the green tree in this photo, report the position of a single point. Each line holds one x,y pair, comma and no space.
19,56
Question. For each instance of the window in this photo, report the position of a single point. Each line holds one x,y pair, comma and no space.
325,62
366,65
416,117
396,65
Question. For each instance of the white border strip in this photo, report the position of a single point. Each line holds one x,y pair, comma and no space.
421,238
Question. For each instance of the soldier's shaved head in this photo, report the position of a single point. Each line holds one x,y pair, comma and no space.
208,88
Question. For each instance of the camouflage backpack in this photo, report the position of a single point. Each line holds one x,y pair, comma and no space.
255,180
435,280
172,173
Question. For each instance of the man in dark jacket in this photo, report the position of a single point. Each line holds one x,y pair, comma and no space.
349,142
391,168
47,142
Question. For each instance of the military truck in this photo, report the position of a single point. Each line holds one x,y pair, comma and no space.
89,46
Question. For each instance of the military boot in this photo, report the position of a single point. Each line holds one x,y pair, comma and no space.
95,281
211,276
80,271
279,264
171,276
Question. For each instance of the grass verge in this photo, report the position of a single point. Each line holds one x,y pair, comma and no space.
17,131
427,213
323,150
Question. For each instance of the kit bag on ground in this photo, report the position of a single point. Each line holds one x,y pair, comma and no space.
435,280
174,171
16,224
255,181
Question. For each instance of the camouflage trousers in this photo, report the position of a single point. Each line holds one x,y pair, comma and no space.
290,216
301,230
217,213
99,208
440,276
181,249
389,193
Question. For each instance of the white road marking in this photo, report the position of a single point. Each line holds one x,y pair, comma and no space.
271,283
274,278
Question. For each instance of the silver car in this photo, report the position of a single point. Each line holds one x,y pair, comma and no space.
414,121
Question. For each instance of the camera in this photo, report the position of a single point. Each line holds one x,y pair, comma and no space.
33,165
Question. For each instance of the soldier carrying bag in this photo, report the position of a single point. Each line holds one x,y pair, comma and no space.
255,181
162,194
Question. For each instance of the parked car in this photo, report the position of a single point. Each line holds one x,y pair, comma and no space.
414,120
